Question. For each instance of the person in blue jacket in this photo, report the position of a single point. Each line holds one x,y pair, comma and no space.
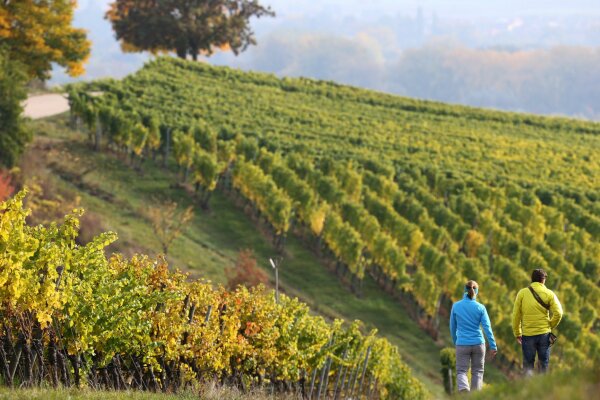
466,319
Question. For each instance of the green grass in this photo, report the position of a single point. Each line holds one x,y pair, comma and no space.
562,385
214,238
576,384
205,393
50,394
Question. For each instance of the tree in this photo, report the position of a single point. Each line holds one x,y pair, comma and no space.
168,223
205,136
188,27
6,185
152,124
206,173
38,33
183,148
473,242
245,271
139,136
13,134
448,360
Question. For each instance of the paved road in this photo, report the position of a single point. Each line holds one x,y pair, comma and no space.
45,105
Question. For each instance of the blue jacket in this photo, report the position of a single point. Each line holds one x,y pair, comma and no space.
466,318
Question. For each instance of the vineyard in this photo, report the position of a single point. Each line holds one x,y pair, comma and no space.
72,316
422,196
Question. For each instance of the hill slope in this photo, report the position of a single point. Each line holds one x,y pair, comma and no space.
415,196
115,195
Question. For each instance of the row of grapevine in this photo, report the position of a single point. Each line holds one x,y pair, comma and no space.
72,316
356,170
511,244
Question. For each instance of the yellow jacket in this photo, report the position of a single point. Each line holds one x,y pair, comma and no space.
529,317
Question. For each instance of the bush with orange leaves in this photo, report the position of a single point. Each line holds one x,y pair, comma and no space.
6,186
245,271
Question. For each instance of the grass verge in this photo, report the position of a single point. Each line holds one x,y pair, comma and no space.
576,384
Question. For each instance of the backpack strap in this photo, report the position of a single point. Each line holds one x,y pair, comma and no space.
538,298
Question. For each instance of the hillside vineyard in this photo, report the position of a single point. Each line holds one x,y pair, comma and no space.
420,195
72,316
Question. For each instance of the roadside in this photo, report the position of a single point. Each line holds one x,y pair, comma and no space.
45,105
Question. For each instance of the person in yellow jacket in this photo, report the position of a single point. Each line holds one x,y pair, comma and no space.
532,323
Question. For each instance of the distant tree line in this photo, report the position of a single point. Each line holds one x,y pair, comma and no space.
561,80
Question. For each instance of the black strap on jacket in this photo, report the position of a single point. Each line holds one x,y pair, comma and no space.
538,298
552,337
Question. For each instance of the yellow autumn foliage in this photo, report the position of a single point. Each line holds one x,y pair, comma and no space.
39,33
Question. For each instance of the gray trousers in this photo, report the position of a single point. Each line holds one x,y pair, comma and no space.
470,357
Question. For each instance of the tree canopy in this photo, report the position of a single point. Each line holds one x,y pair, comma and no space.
39,32
188,27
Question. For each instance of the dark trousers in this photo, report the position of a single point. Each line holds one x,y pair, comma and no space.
531,345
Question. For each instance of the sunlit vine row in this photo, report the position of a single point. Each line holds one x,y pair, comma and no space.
72,316
507,193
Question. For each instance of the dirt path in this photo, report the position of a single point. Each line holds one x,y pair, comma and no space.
45,105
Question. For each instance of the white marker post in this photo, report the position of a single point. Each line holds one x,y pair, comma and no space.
274,265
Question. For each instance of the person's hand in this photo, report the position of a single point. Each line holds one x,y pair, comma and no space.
520,339
493,354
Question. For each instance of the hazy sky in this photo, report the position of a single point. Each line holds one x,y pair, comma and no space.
368,43
456,9
475,23
447,7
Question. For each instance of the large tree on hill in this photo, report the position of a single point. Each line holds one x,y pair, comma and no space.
38,33
188,27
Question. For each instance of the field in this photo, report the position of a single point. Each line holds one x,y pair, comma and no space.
577,384
78,394
381,207
572,385
417,195
214,239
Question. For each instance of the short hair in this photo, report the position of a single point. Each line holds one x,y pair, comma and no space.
538,275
